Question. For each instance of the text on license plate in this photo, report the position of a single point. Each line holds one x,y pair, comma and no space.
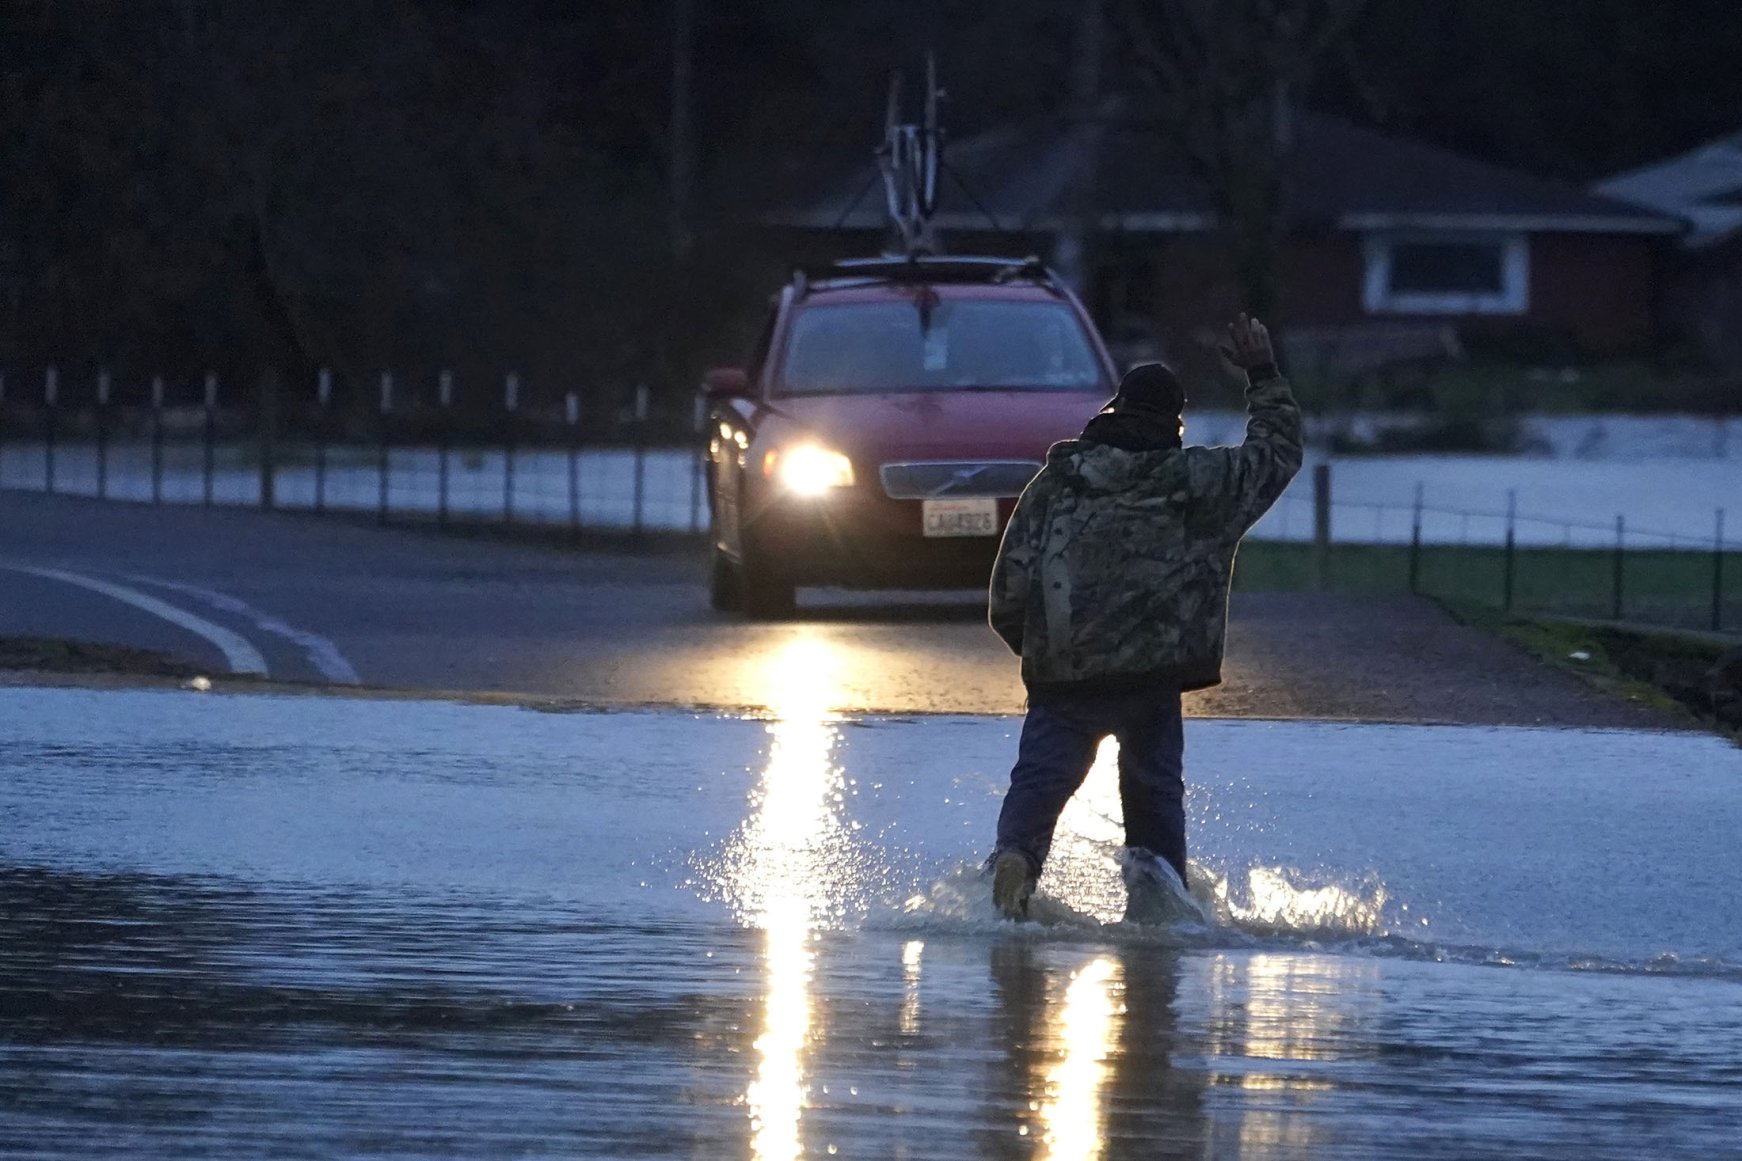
975,516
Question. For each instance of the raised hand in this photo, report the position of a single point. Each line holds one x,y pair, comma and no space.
1248,343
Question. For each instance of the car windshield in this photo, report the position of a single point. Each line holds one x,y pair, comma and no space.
960,344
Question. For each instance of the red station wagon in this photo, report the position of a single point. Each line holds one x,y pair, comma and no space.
892,412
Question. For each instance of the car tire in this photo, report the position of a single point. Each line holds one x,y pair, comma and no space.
767,592
725,584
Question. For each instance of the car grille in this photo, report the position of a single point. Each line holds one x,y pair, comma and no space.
945,478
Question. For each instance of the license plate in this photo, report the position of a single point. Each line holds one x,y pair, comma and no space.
975,516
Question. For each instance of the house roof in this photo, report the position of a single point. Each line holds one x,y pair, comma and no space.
1703,185
1338,173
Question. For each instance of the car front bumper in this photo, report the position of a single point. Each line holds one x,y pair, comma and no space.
858,539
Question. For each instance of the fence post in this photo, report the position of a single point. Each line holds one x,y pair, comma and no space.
698,464
103,384
1415,541
211,433
641,400
51,421
1510,566
268,439
157,439
445,397
323,398
1718,575
1620,557
1322,527
572,412
386,445
510,400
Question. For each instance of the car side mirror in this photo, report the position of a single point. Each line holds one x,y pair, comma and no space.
726,383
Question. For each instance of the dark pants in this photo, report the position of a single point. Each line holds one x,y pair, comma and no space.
1059,739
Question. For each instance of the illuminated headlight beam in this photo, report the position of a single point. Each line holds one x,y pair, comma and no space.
809,470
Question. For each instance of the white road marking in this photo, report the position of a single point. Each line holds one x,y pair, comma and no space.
238,653
322,653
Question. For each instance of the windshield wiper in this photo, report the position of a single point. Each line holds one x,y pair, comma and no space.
1018,387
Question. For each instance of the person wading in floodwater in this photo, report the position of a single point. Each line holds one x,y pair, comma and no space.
1112,586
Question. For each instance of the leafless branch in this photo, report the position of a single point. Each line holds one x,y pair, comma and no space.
1222,76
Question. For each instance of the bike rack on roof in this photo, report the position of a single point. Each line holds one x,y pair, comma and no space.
910,162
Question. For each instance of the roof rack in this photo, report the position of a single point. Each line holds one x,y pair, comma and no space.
927,268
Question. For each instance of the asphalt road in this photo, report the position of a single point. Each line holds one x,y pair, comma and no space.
305,599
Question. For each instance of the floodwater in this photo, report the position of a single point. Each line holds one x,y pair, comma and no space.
302,927
1572,504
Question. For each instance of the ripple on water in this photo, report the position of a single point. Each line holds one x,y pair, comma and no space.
293,927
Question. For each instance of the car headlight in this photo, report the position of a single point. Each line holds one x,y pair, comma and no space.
808,470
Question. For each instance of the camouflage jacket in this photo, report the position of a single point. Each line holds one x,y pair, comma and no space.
1113,573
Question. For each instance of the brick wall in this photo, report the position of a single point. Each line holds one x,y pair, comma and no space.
1598,290
1591,295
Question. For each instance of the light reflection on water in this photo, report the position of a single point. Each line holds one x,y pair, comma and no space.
1071,1113
1279,1016
1094,1051
776,1096
912,957
788,861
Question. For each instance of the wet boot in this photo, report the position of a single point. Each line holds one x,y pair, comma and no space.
1012,883
1154,894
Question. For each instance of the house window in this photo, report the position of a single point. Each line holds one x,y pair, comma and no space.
1447,274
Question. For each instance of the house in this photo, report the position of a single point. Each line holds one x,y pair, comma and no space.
1390,244
1704,284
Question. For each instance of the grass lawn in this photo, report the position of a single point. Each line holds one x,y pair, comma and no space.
1658,587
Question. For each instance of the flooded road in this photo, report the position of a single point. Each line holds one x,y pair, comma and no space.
240,926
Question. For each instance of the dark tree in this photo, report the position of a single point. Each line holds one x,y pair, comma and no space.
1221,79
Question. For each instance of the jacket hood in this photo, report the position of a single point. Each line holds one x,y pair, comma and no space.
1100,469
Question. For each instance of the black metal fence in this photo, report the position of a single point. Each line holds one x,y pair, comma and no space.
432,456
1508,559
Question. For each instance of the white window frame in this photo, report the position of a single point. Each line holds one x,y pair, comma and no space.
1513,298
